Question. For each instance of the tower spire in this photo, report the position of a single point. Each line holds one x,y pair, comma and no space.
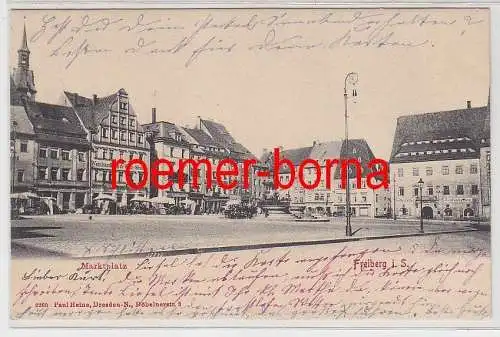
23,54
24,43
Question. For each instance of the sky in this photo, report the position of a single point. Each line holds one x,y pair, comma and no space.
272,77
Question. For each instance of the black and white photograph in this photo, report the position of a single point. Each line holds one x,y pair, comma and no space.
252,164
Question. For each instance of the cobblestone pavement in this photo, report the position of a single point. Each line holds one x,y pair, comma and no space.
78,236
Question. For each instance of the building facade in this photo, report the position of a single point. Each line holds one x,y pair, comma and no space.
23,154
168,142
49,143
324,199
207,141
114,132
447,152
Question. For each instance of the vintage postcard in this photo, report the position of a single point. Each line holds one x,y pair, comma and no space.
250,164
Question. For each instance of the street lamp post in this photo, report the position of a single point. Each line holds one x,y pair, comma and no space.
351,79
421,185
13,147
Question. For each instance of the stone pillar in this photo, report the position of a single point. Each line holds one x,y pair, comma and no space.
60,200
72,196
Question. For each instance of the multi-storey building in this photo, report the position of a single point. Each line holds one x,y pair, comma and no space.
448,151
169,142
324,199
115,133
50,144
208,141
23,155
237,152
202,146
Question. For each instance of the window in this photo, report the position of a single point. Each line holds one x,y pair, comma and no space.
65,174
446,190
488,168
459,169
24,147
81,156
113,119
65,155
53,154
104,154
120,177
171,152
415,171
430,191
121,154
42,172
139,139
106,175
474,189
473,168
132,137
131,122
54,173
141,156
415,191
400,172
20,176
428,171
122,120
114,134
79,174
104,133
182,155
445,170
401,191
123,136
42,153
460,189
123,105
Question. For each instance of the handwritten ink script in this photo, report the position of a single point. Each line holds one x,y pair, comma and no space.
358,280
200,34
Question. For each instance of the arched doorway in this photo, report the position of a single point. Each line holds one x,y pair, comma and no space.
427,212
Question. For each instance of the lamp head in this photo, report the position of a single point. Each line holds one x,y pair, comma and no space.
420,183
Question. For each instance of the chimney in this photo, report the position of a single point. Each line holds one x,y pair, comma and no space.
469,105
153,115
315,142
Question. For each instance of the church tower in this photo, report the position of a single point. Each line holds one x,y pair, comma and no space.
22,80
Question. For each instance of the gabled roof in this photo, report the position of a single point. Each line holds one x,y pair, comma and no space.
323,151
201,137
219,133
54,119
18,115
223,138
94,113
166,131
296,156
472,123
358,149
